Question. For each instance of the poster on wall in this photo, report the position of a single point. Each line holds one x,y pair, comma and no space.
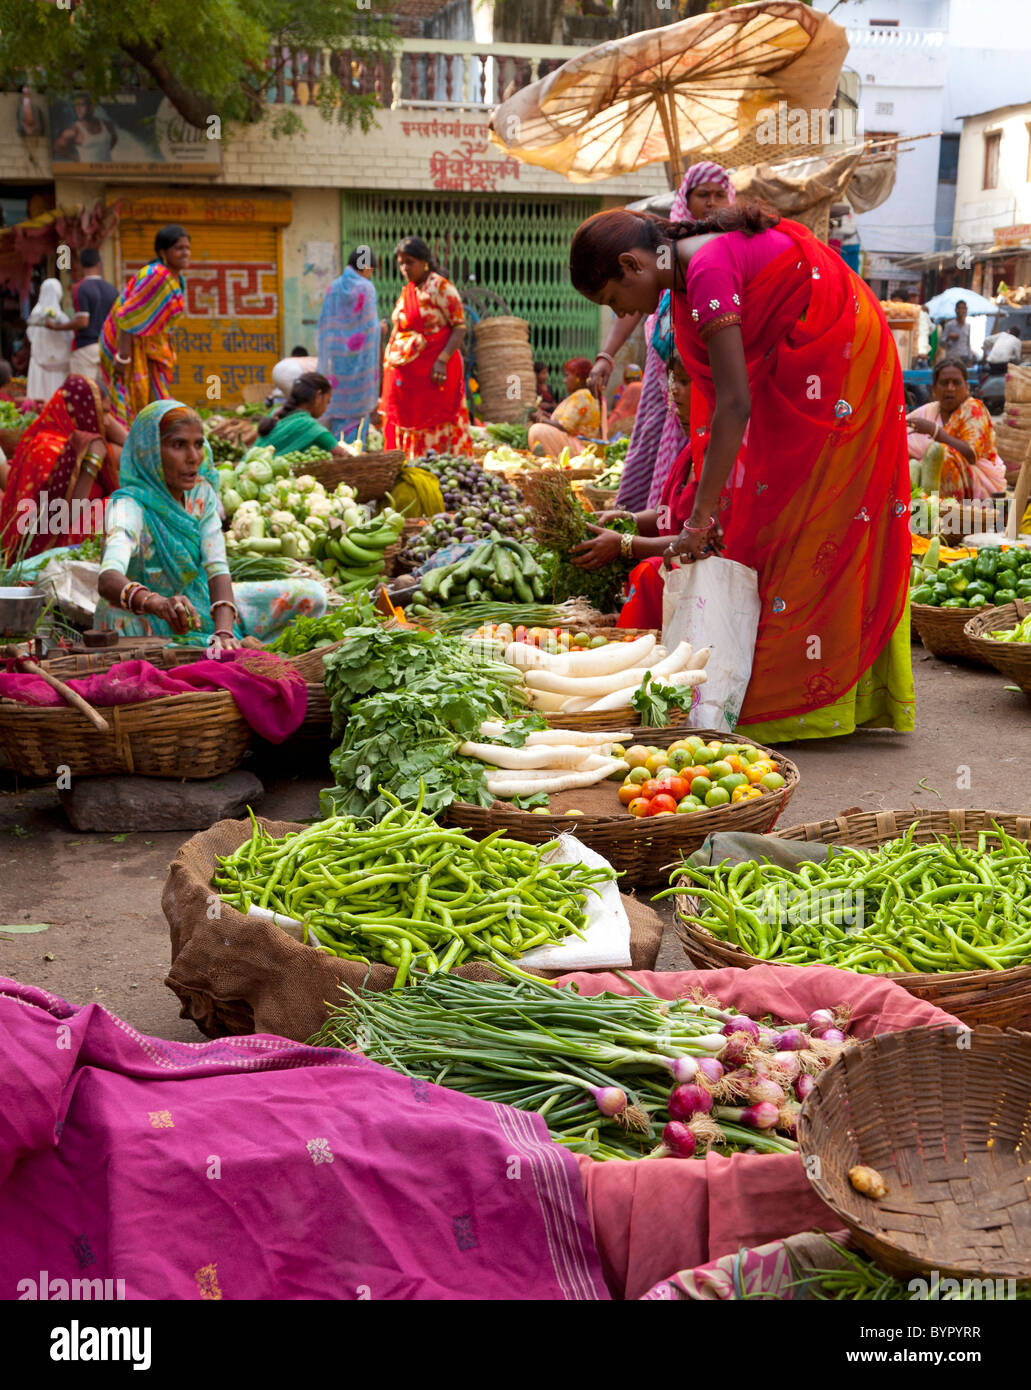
137,133
320,270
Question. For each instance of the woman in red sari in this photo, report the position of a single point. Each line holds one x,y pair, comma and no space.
799,448
423,403
69,453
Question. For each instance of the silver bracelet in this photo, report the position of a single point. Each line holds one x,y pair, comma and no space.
608,358
124,360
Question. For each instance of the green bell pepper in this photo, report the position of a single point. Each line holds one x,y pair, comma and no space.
1024,588
987,563
1004,596
958,584
941,593
954,603
1011,559
923,594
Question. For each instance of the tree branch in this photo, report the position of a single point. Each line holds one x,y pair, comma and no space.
192,106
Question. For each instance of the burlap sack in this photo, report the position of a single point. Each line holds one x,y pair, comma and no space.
1018,384
233,974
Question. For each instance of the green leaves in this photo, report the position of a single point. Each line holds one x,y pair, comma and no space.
653,701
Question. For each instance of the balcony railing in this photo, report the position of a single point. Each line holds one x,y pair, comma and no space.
452,73
895,37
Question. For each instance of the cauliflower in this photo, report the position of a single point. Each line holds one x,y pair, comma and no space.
246,514
280,522
306,483
319,506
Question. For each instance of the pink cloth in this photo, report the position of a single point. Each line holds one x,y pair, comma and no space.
718,272
256,1168
724,1204
270,693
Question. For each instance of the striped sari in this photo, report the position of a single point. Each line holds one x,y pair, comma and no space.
151,300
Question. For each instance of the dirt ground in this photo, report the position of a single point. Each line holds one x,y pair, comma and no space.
101,894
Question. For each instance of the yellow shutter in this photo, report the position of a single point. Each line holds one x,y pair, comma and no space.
229,336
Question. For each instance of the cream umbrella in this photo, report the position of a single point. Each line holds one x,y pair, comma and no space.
687,90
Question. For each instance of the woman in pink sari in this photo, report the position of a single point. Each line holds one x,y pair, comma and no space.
973,468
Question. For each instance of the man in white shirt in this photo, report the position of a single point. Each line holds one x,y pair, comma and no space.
1004,347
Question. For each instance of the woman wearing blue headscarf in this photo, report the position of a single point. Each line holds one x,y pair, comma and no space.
164,571
349,345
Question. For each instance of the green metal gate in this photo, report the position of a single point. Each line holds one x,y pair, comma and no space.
516,247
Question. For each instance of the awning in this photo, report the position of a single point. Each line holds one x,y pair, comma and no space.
25,244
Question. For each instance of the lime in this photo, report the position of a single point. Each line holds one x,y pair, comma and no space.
718,796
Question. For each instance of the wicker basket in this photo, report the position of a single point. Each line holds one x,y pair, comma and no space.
318,718
946,1121
1013,659
9,439
642,849
156,650
602,499
941,632
623,719
979,997
187,737
371,475
310,663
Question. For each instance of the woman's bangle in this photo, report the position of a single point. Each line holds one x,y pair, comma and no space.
700,530
224,603
125,598
124,360
223,632
937,429
142,594
608,358
626,545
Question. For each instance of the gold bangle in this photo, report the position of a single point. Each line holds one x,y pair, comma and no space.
626,545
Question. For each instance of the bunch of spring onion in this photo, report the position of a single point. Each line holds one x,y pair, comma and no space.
858,1279
614,1076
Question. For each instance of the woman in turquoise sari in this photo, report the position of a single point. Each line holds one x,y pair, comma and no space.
350,351
164,571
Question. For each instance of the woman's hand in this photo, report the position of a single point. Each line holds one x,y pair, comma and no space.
599,377
692,545
222,643
178,612
603,547
438,372
919,425
119,368
604,518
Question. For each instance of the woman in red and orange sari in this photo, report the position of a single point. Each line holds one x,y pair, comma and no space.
69,453
423,403
800,458
137,356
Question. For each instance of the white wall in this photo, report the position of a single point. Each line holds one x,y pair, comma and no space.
980,210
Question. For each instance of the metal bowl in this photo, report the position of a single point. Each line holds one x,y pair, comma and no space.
20,611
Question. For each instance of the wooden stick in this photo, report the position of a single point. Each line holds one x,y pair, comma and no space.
70,696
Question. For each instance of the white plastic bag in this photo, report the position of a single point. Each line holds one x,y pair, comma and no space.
714,603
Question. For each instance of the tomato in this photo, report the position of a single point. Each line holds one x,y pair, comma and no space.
662,805
638,775
701,787
756,791
704,756
652,788
733,782
773,781
628,792
720,768
689,804
678,787
656,761
636,755
741,794
754,774
734,762
639,807
718,796
520,634
679,758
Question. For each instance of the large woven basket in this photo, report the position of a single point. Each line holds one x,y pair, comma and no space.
1013,659
941,631
187,737
945,1118
310,663
372,475
979,997
156,650
641,848
602,499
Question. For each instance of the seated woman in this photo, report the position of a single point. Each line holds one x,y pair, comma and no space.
164,570
295,425
973,468
69,453
576,415
627,399
544,395
654,527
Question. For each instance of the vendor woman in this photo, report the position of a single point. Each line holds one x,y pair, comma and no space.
295,425
164,571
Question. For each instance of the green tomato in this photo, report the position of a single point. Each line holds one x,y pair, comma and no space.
718,796
689,804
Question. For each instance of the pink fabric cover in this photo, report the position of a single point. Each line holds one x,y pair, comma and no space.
657,1216
270,693
256,1168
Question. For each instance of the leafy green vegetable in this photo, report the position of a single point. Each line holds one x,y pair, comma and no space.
527,803
304,634
654,701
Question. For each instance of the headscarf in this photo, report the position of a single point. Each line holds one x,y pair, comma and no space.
50,293
349,345
704,172
48,351
175,533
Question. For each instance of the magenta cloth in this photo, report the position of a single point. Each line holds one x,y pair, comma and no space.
256,1168
270,693
767,1270
725,1203
719,271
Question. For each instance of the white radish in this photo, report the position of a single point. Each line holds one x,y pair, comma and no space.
526,657
621,699
539,774
584,685
585,738
573,704
697,662
549,755
502,785
547,701
601,661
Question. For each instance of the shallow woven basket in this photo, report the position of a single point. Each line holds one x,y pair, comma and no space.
310,663
979,997
642,848
318,718
187,737
621,719
156,650
600,498
371,475
945,1118
941,631
1013,659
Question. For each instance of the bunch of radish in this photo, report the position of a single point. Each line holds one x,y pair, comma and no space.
754,1085
551,760
605,678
